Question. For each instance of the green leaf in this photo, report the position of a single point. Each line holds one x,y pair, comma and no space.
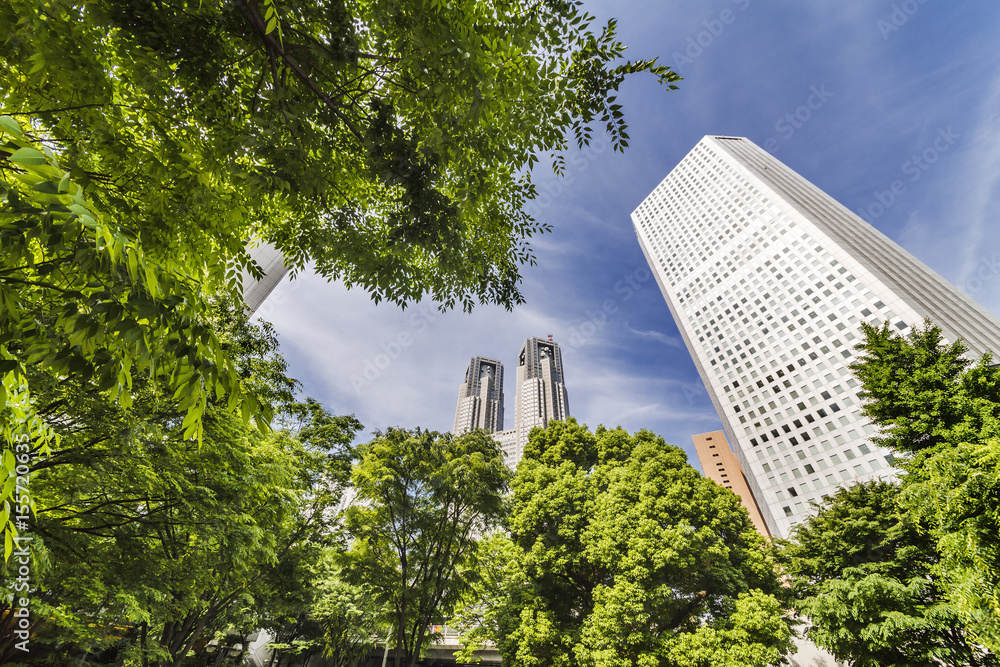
11,126
27,156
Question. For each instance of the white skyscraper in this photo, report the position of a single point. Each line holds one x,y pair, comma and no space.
541,392
480,399
271,261
768,279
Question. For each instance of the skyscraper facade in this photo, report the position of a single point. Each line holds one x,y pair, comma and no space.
272,263
541,391
768,279
540,396
720,465
480,399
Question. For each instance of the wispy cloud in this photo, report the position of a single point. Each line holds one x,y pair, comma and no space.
659,336
982,169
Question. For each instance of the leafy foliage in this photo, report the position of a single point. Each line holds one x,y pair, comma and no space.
423,499
147,544
350,619
959,494
311,611
941,413
925,393
622,553
389,143
80,299
865,574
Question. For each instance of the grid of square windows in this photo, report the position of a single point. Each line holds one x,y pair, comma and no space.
772,317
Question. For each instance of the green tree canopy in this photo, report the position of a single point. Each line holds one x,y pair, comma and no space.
622,553
311,611
146,544
865,575
423,500
386,143
940,411
924,392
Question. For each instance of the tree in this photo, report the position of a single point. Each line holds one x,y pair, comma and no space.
387,143
625,554
423,499
961,496
351,621
384,139
155,545
311,611
80,300
147,544
925,393
940,412
864,573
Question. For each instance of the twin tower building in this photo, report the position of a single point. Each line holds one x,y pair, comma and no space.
541,396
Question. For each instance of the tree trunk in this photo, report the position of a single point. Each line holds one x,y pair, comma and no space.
400,644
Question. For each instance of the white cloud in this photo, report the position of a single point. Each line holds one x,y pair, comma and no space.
672,341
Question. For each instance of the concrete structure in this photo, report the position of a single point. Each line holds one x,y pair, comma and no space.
272,263
480,399
540,396
768,279
508,445
541,392
720,465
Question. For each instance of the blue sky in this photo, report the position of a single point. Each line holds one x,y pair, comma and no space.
853,95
